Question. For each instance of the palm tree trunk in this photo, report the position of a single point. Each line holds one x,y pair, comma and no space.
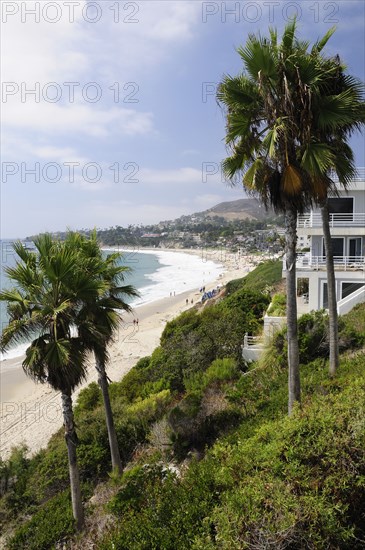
113,442
291,307
71,442
331,292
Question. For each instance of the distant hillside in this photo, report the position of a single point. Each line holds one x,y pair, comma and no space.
242,209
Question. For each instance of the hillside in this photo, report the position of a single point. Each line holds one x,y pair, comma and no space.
213,227
242,209
211,459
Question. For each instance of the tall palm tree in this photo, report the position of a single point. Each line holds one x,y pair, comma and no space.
337,112
98,320
275,146
48,292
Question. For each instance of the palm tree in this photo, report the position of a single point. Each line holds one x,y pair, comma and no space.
270,131
42,306
98,320
286,128
338,111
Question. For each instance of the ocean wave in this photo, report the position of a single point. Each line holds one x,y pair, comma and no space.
179,272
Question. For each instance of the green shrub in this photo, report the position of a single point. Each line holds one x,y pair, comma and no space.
15,473
221,370
278,306
132,383
52,522
185,323
313,337
131,432
276,482
250,303
134,483
51,475
264,276
152,407
88,399
297,482
355,320
159,511
234,285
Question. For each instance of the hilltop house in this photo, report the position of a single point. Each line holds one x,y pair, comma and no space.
347,225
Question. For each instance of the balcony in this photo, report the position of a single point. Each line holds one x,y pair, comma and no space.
360,175
341,263
314,219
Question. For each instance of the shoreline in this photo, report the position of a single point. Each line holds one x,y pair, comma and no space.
30,413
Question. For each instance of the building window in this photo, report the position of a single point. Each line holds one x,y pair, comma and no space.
355,247
325,296
337,246
341,205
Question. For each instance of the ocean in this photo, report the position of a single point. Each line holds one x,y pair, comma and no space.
155,273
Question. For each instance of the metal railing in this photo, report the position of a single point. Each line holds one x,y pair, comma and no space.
314,219
344,263
251,340
360,175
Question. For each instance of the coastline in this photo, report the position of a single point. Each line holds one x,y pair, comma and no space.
31,413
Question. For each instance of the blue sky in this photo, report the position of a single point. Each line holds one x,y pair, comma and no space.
123,127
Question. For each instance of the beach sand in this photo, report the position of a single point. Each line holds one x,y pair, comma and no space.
30,413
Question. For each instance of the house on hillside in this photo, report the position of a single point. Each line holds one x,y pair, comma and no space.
347,225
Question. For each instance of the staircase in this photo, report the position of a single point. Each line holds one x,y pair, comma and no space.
346,304
252,348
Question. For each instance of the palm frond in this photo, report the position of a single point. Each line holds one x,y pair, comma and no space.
318,159
18,331
287,40
292,181
257,59
321,42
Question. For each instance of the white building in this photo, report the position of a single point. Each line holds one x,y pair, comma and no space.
347,225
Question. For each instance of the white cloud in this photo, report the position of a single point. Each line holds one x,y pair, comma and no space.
185,175
105,52
54,153
208,176
41,51
174,22
83,119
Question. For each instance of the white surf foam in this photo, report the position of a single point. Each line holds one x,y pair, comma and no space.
179,272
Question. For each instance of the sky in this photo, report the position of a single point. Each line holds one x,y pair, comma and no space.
108,109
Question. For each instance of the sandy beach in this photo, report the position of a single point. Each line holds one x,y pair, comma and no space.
30,413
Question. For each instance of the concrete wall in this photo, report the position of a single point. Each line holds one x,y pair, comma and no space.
272,325
317,278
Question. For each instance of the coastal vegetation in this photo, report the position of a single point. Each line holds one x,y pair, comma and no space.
210,458
64,299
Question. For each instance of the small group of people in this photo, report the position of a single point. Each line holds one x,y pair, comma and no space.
187,301
135,322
